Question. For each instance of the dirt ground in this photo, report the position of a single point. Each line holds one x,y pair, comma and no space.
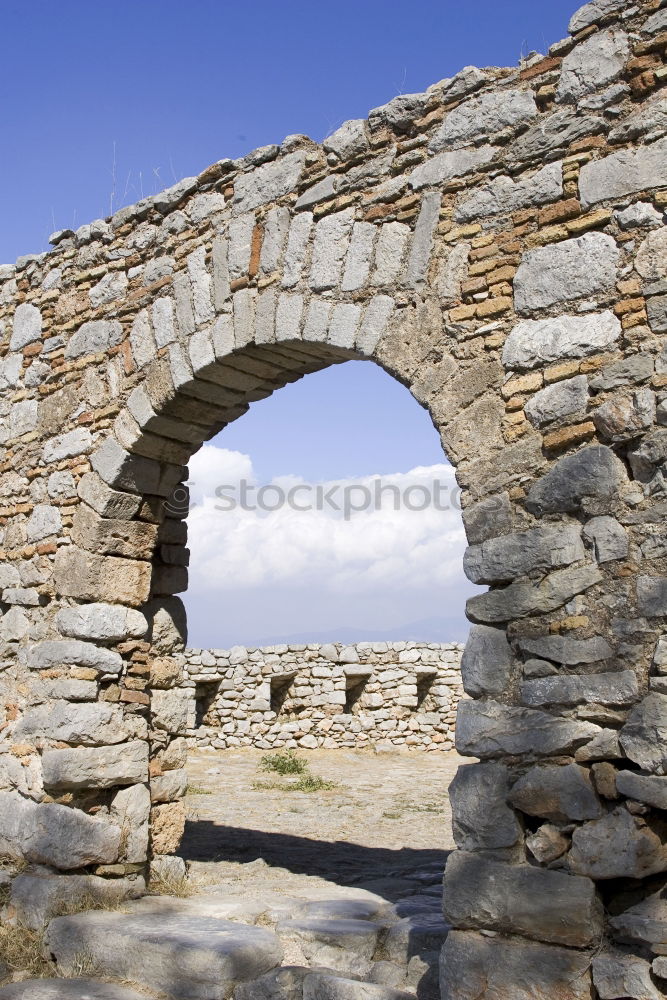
387,816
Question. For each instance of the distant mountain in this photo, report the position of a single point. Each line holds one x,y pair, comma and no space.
434,629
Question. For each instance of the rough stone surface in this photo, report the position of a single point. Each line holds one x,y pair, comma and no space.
561,794
564,271
619,688
644,735
488,729
594,472
510,969
482,116
593,63
502,559
623,976
623,173
558,400
124,764
533,343
481,818
68,989
617,846
487,661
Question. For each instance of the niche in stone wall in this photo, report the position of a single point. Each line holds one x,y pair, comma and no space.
206,693
425,682
281,689
355,684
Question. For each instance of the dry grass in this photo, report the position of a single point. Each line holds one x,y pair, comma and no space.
22,949
163,885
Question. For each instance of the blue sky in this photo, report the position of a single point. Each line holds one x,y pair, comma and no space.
105,102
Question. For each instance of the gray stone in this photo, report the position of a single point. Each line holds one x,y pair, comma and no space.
636,216
59,652
617,846
615,688
186,957
488,729
551,134
452,270
103,622
656,308
101,767
422,239
558,400
285,983
520,600
593,12
647,455
344,324
332,236
267,182
44,522
359,256
592,64
67,989
61,485
107,502
473,965
644,735
623,173
486,664
592,473
504,195
297,242
26,327
130,809
467,80
400,113
649,122
112,286
652,596
488,518
170,711
344,945
69,445
547,844
51,834
604,746
317,986
169,787
533,343
623,977
646,922
560,272
626,416
480,117
374,323
650,259
445,166
481,818
567,651
22,418
349,141
502,559
389,252
643,788
628,371
413,935
608,537
81,724
560,794
167,868
37,898
93,337
521,899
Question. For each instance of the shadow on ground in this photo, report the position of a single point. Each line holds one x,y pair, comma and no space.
338,861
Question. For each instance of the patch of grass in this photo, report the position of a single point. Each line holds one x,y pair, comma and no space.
392,815
163,885
196,790
284,762
306,783
22,949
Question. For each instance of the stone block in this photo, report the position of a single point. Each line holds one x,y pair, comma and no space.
502,559
652,596
617,846
520,899
481,818
103,767
88,725
481,116
445,166
488,518
26,326
35,899
55,835
107,502
592,64
94,337
523,599
487,661
561,794
643,788
67,989
644,735
618,688
564,271
170,711
130,809
623,173
267,182
533,343
71,652
69,445
169,787
504,195
566,650
592,473
101,622
487,729
625,416
608,537
510,969
562,399
90,577
619,975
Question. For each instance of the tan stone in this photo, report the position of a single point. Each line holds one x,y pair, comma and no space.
91,577
167,825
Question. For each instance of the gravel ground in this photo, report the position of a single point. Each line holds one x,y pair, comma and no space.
386,816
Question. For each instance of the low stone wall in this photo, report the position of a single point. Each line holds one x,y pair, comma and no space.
332,695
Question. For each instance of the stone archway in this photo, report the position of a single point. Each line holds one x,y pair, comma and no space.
498,245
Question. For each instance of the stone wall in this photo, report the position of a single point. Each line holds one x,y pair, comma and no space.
390,694
498,245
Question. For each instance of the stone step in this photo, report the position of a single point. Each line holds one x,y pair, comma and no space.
346,945
67,989
175,951
321,987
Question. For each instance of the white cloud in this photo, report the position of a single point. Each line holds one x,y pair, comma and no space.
377,549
